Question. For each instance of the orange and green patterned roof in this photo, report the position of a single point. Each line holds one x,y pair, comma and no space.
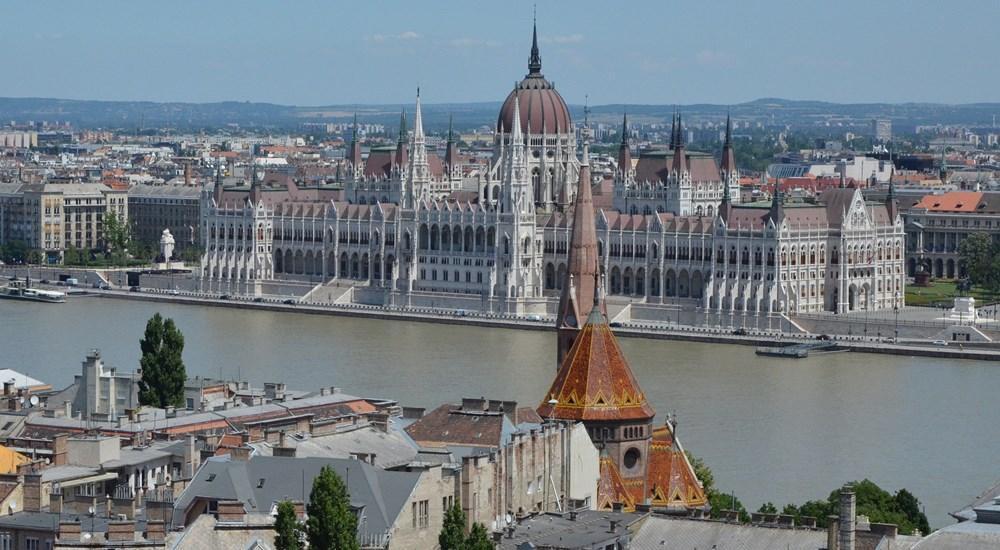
594,382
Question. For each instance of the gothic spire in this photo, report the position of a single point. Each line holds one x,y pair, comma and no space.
515,130
418,121
402,126
728,157
580,289
535,61
625,128
451,128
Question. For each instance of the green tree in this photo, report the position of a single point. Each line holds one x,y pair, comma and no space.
702,472
478,538
163,373
117,236
767,508
286,528
452,536
331,524
976,254
722,503
910,506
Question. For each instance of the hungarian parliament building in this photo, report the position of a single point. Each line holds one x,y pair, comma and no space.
410,227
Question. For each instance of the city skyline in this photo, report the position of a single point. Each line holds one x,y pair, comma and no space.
724,54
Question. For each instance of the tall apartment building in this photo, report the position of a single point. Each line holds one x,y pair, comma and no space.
153,208
52,217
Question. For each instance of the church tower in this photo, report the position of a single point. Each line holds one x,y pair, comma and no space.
641,463
730,174
419,172
580,291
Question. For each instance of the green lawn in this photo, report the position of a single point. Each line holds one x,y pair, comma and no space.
942,292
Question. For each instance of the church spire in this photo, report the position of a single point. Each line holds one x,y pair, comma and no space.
401,156
624,150
355,146
535,61
728,156
680,160
580,289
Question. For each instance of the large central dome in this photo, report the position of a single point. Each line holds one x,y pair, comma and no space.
542,109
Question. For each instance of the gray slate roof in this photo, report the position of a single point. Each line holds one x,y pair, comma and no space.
659,533
265,480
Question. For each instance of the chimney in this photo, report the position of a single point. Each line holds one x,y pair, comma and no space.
613,526
155,530
32,492
847,518
231,511
240,454
300,508
56,501
472,404
121,530
69,531
616,507
832,527
8,388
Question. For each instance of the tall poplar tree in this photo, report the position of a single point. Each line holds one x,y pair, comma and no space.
332,524
286,527
163,373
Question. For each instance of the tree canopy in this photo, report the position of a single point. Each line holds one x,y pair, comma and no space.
286,528
902,508
332,524
452,536
163,372
979,256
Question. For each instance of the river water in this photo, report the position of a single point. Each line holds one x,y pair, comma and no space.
778,430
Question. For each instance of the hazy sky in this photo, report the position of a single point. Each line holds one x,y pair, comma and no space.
307,52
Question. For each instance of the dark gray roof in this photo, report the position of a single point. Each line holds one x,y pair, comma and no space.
265,480
165,191
661,533
49,522
590,529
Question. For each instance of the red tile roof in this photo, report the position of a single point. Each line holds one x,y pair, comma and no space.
595,381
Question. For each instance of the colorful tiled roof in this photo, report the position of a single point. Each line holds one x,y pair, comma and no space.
611,488
594,381
671,478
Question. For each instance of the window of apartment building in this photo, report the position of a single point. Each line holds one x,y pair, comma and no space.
421,514
31,543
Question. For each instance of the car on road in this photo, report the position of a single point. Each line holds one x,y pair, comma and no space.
290,302
940,343
258,299
615,324
741,332
822,336
225,297
44,281
134,289
175,292
533,317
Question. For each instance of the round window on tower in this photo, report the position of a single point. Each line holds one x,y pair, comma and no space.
632,457
536,153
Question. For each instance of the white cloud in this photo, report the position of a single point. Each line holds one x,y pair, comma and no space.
405,35
474,43
562,39
714,57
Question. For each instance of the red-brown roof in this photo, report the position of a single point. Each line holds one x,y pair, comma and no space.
656,167
671,478
595,381
953,201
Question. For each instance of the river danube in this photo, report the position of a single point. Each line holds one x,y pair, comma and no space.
771,429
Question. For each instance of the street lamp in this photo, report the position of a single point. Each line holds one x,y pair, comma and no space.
895,309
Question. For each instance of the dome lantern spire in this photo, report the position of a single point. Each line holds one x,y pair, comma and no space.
535,61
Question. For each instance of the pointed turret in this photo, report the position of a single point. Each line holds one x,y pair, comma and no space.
777,213
419,169
624,148
255,190
579,289
726,205
891,203
728,157
451,148
355,156
217,191
401,153
535,60
680,159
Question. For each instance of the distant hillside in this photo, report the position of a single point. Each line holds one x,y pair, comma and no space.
130,115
